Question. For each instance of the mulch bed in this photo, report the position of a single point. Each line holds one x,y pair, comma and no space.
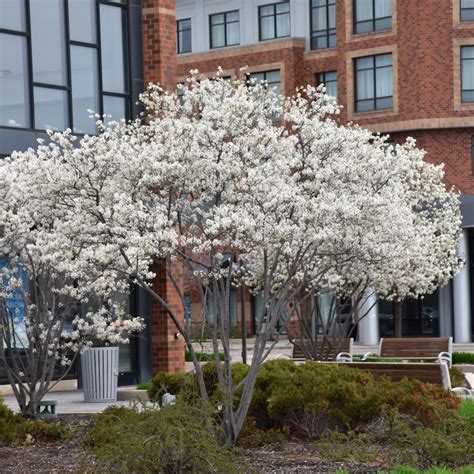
70,456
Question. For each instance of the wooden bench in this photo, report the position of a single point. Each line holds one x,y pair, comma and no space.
428,372
327,352
47,408
422,348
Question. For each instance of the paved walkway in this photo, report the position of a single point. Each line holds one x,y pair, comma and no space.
69,402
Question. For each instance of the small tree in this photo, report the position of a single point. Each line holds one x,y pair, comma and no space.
42,327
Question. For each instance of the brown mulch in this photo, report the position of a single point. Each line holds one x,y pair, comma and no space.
69,456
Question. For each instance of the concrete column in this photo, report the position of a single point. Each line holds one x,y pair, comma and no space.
369,322
461,294
445,299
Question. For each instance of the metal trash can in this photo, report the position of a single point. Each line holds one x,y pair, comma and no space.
100,374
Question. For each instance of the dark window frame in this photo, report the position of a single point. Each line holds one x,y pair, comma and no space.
68,43
178,31
374,68
274,15
373,20
328,33
462,81
225,45
321,79
468,10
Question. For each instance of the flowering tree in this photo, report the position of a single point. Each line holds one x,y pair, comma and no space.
42,327
212,182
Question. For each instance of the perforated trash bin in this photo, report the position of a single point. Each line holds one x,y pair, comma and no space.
100,374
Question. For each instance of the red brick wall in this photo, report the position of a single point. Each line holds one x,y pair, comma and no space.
159,49
159,41
167,350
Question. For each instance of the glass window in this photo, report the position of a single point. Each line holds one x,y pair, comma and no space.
225,29
12,15
467,10
14,95
329,79
48,42
85,94
373,83
372,15
113,58
323,24
51,108
115,107
82,21
183,36
467,74
274,21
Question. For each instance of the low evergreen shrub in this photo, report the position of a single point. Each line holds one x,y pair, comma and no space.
15,429
463,358
175,439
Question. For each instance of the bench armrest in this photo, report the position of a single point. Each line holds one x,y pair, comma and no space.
368,354
344,357
462,391
445,357
283,356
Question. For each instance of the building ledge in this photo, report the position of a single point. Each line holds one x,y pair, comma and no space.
241,50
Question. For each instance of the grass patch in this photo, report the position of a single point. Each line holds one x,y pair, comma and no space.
463,358
466,410
433,470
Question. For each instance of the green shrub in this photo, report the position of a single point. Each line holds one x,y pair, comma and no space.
15,429
463,358
173,383
174,439
312,397
253,437
185,386
144,385
203,356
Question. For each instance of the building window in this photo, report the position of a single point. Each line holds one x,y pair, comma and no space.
323,24
274,21
372,15
329,79
271,78
225,29
58,62
183,36
467,10
373,83
467,74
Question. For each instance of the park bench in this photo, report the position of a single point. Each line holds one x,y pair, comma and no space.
47,408
421,348
396,371
326,352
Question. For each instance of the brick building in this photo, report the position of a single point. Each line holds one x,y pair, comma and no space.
403,67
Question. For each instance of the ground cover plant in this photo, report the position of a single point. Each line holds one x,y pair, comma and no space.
16,429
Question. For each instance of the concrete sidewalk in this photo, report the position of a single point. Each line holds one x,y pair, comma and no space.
70,402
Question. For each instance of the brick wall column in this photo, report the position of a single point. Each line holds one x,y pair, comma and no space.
159,42
159,65
167,351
